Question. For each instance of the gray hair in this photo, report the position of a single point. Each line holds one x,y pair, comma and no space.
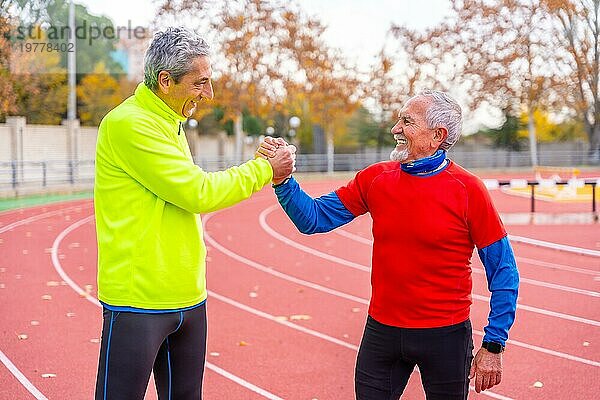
443,112
172,50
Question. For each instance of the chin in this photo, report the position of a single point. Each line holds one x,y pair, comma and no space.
399,155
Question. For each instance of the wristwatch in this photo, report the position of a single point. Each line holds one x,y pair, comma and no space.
493,347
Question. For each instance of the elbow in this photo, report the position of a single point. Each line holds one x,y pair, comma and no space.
305,229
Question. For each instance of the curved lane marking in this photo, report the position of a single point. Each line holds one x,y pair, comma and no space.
5,360
271,271
58,267
310,250
337,293
546,264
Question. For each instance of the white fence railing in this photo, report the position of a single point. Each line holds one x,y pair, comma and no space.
43,174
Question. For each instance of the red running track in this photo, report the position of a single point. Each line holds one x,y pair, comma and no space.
286,311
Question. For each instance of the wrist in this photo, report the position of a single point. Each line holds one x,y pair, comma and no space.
492,347
280,182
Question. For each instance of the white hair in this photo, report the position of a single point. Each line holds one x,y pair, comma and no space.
172,50
444,112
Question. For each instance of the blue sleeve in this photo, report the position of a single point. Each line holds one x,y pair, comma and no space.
503,282
322,214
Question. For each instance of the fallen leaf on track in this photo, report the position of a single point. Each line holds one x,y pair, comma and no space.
300,317
35,323
241,343
52,283
214,354
46,297
22,336
538,384
48,375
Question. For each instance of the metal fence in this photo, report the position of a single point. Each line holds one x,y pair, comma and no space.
47,174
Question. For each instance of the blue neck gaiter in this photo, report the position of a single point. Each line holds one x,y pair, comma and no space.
426,165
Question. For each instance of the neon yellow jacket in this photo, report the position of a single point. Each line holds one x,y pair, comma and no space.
148,194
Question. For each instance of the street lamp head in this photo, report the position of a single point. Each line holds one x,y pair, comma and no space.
294,122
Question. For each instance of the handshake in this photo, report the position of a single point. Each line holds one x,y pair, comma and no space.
281,156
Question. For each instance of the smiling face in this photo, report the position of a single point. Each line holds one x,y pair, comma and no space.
183,96
414,140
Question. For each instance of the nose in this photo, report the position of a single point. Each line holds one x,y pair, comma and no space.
396,128
207,92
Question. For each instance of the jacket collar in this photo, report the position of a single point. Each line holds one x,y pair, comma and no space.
152,102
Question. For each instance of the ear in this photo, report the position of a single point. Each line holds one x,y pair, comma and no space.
164,82
439,135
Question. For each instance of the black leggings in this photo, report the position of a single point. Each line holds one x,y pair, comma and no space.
388,355
173,345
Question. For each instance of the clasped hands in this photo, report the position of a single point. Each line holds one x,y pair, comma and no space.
281,156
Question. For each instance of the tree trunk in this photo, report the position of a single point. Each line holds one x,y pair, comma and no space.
330,152
238,153
532,139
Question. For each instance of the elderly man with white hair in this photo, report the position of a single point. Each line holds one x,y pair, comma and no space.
428,215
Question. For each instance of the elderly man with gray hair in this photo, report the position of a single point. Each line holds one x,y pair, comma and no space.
428,215
148,196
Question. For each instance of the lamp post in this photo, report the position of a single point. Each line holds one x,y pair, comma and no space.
294,124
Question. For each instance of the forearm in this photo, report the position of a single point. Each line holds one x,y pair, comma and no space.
310,215
225,188
503,282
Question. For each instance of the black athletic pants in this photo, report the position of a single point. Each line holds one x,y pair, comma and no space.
173,345
388,355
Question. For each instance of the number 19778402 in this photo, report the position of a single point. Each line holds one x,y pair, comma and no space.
44,47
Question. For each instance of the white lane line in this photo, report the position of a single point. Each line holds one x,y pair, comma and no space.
5,360
547,264
535,282
263,223
278,236
312,332
548,351
513,238
274,272
36,218
270,270
558,266
273,318
555,246
21,378
58,267
240,381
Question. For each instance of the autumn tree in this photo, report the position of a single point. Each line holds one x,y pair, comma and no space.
504,50
99,92
264,52
329,83
577,24
386,89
